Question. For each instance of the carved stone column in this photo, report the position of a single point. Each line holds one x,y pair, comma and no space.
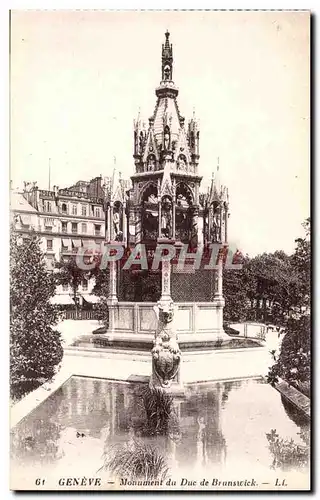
138,225
219,290
166,282
159,218
221,223
125,223
113,298
111,223
194,226
173,219
108,233
226,215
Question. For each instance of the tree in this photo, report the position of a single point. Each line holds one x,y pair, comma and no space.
301,263
294,361
35,347
270,287
69,273
101,289
236,296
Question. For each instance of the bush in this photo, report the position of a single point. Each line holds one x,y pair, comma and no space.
286,453
35,347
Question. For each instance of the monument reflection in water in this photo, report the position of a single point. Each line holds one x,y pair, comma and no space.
221,426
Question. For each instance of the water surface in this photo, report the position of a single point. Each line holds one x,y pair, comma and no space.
222,427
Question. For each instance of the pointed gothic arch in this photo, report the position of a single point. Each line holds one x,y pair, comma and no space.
148,190
184,191
184,201
149,212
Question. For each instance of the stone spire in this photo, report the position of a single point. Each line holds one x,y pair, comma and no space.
167,135
167,87
167,59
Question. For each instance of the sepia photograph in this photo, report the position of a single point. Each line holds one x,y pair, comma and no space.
160,250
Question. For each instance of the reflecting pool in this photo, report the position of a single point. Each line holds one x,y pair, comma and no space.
218,427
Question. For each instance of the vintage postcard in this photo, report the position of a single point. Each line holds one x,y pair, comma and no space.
160,250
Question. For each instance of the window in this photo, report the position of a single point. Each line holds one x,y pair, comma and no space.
84,285
97,212
64,227
97,229
84,210
49,229
47,206
64,248
49,244
65,287
74,228
83,227
64,208
74,209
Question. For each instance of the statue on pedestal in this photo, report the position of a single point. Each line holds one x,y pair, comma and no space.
215,227
116,223
166,355
166,225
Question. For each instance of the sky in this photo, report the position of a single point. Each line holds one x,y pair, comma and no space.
79,78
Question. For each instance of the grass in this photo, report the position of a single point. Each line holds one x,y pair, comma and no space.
159,409
136,461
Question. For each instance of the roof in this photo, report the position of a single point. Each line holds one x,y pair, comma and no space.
19,204
166,110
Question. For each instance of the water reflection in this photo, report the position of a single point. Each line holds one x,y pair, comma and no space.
220,424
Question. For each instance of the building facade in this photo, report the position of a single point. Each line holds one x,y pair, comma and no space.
65,220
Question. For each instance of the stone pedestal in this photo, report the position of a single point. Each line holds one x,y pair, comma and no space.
166,355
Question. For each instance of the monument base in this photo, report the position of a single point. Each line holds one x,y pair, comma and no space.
195,322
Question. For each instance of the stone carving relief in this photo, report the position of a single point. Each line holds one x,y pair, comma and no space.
214,214
166,217
151,163
181,163
166,355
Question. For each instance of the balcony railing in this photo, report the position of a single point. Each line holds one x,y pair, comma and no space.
78,194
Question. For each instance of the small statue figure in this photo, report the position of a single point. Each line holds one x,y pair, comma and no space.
151,164
215,228
141,143
181,163
166,220
166,138
119,236
166,355
116,223
166,73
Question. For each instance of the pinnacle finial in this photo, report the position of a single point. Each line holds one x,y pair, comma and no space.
167,59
